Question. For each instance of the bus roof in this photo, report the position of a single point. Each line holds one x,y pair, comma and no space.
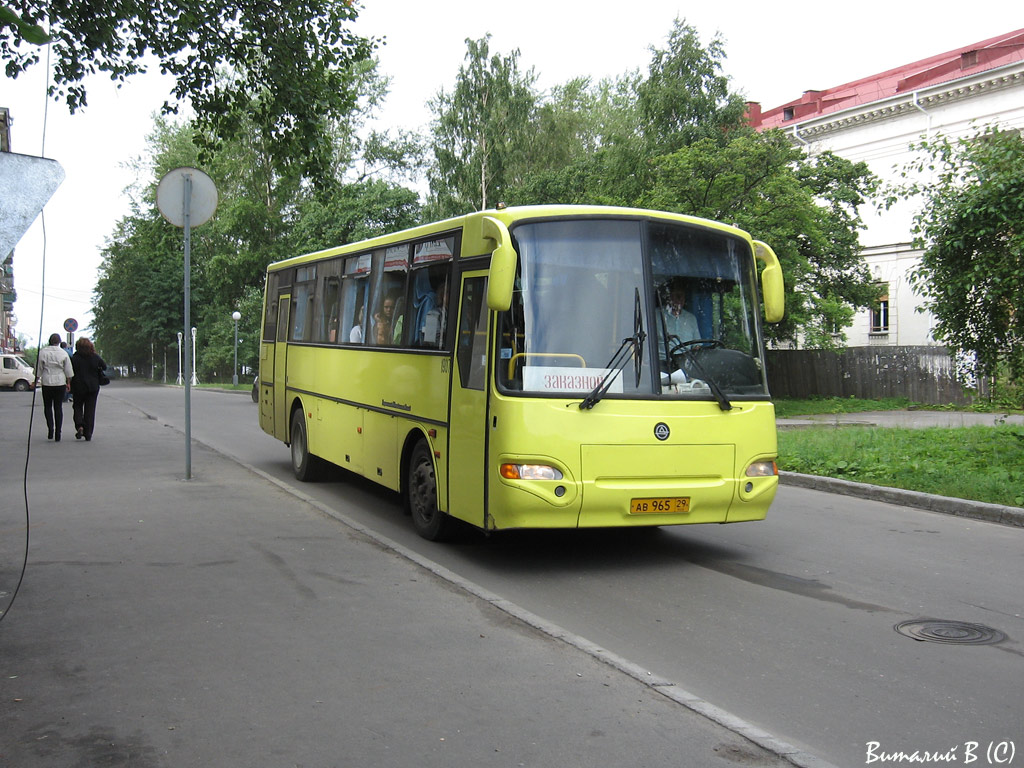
471,225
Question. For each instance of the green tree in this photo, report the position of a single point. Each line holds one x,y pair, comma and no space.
216,346
971,230
685,96
266,211
353,212
287,64
139,293
481,131
627,122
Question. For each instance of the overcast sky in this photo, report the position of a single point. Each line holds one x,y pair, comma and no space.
773,53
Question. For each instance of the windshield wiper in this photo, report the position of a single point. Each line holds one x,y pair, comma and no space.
634,345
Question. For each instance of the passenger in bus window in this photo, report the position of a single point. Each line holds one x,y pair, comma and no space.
356,334
679,321
383,320
434,317
399,319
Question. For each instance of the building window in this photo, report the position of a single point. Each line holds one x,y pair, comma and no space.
787,113
880,312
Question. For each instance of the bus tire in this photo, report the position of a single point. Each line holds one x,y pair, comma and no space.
421,495
305,466
21,386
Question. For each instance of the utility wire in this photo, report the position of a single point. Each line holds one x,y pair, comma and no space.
39,336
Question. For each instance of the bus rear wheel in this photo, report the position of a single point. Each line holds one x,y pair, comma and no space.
421,496
305,466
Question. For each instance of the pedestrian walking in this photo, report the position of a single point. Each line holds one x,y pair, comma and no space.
55,376
85,386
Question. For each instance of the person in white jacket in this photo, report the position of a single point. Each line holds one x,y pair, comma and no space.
55,374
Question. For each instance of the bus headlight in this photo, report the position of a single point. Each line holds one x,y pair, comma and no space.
762,469
529,472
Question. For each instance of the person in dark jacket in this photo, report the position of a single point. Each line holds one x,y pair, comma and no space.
85,386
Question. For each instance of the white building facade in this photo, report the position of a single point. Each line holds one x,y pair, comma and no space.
876,120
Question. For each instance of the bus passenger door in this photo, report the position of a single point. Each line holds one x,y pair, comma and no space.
467,431
279,401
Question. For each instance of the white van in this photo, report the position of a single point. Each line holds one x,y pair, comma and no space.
16,373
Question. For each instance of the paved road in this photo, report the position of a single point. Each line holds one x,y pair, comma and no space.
787,624
225,622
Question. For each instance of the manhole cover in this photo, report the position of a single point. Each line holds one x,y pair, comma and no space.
955,632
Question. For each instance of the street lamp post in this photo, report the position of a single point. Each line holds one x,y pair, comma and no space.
236,316
180,381
195,381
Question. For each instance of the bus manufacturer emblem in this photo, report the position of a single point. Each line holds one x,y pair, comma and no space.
661,430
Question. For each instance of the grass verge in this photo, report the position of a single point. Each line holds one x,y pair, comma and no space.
979,463
787,409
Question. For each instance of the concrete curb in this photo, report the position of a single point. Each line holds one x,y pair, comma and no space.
976,510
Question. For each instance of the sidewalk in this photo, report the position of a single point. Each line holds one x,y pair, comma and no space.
907,419
996,513
225,622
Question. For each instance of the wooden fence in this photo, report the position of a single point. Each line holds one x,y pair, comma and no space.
922,374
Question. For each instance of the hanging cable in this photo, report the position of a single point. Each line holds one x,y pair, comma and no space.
35,373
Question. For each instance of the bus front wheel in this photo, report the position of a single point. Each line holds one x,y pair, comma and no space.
305,466
421,495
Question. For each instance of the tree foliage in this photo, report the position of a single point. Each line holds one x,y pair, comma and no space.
263,215
288,64
971,230
686,97
672,138
675,139
481,132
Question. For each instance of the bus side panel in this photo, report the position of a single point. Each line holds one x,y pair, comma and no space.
339,429
364,402
383,454
280,401
266,393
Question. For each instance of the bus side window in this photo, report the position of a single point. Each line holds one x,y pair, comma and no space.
270,318
430,306
302,303
472,343
389,316
282,318
324,317
354,295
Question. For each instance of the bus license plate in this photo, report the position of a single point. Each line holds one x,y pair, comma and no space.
670,505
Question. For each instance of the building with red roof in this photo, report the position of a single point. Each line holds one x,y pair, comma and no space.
876,119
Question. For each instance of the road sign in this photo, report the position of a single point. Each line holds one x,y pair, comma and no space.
201,201
71,325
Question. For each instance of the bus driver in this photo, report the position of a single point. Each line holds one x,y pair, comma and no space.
679,321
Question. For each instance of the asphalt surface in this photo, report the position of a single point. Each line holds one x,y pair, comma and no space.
227,620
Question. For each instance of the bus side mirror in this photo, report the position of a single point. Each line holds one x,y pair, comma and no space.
772,288
502,276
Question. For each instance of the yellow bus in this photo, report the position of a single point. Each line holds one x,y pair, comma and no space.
533,367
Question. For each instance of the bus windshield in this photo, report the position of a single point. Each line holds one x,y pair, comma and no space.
632,308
